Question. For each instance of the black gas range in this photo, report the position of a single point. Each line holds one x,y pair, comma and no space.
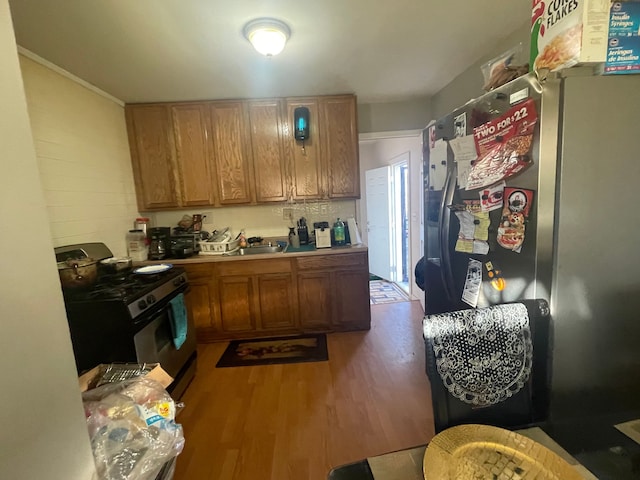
131,317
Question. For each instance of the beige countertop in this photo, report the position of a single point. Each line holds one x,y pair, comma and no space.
262,256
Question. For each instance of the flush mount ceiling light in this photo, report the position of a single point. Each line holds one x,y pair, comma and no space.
267,35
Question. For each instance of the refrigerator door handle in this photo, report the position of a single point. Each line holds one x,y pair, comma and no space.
444,221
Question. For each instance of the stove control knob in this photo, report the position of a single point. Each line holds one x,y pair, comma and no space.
179,281
151,299
142,305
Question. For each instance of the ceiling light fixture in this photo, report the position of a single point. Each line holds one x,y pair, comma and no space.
267,35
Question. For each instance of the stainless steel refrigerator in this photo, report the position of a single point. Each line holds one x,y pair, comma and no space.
582,231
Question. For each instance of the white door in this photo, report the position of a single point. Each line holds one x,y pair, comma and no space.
378,190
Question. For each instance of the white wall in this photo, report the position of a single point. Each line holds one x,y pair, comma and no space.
83,153
380,151
469,83
43,434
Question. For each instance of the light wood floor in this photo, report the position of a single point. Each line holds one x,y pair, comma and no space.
297,421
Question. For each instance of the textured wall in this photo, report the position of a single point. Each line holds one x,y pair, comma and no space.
83,154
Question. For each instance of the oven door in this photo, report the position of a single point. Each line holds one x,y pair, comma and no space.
154,343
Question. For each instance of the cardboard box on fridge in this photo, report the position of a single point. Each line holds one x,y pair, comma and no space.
623,53
87,380
565,33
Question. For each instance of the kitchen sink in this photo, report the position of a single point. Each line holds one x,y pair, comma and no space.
258,249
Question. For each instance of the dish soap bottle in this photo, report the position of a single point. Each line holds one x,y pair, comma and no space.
338,233
294,239
243,241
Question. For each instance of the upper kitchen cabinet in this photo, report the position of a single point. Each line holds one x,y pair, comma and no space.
305,159
268,150
152,153
339,145
197,179
242,152
230,155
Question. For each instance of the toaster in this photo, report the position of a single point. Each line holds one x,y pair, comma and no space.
323,237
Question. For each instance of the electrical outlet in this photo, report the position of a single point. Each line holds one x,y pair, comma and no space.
323,209
287,214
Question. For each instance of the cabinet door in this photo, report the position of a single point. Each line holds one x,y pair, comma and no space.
305,165
267,150
277,301
352,307
190,126
314,299
230,152
339,133
237,312
152,155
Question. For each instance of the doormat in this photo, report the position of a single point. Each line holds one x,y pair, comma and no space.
381,291
270,351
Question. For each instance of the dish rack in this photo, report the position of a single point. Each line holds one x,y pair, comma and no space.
218,248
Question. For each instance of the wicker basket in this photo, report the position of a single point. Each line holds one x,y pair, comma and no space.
217,248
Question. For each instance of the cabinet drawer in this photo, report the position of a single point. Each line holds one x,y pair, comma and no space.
255,267
332,261
199,272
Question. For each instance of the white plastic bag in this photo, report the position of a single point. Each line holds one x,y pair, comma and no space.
503,68
132,429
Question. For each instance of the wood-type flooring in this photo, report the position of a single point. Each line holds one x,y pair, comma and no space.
297,421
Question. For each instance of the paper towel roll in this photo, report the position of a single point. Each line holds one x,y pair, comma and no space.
354,234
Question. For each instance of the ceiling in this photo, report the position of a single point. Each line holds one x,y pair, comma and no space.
168,50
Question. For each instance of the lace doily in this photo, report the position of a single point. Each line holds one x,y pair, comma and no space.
483,356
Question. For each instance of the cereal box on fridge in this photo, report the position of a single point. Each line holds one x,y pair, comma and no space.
623,53
565,33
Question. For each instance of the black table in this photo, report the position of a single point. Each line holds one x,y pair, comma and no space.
594,443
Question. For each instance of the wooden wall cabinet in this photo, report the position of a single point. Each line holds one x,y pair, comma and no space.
152,153
195,173
230,152
281,296
339,136
221,153
307,175
328,165
268,150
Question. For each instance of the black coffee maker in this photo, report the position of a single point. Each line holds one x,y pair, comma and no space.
160,242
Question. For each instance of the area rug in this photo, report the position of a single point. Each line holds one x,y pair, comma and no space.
381,291
269,351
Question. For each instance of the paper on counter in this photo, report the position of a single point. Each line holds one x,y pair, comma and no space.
438,165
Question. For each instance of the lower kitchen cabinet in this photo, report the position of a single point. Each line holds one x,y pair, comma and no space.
334,291
314,294
279,296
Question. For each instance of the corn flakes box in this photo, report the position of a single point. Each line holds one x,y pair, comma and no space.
565,33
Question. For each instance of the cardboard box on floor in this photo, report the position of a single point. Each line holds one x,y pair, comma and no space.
86,380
